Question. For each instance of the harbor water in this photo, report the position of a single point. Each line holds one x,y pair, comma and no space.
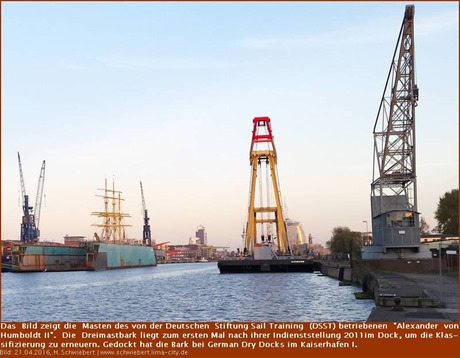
178,292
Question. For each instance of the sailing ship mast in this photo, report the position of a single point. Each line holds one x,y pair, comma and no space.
113,226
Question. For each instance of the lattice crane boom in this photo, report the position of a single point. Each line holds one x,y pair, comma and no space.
38,199
24,197
29,224
146,233
394,189
394,127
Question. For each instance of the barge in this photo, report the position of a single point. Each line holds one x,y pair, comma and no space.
265,260
267,266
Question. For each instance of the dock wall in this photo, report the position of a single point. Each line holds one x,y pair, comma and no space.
385,280
341,271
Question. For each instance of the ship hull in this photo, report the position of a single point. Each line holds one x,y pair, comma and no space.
266,266
117,256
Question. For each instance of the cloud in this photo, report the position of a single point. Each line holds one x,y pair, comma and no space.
74,66
324,40
337,37
145,64
437,23
370,32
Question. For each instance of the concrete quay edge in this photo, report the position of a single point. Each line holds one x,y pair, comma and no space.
422,296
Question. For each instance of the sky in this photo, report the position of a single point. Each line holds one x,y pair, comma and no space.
165,93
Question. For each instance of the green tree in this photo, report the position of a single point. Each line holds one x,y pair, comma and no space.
345,241
447,213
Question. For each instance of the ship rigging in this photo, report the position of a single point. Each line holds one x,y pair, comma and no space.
113,226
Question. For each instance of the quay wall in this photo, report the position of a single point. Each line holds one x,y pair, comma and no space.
341,271
382,279
358,272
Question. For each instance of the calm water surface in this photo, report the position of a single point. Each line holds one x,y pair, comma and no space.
178,292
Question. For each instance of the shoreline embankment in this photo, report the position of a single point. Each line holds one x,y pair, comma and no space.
421,292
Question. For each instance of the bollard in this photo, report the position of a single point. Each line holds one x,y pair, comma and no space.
397,306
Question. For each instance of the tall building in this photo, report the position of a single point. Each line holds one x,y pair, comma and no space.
295,233
201,235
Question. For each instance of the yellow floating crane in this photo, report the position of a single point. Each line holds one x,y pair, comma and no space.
265,219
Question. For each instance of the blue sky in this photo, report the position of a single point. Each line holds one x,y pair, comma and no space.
165,93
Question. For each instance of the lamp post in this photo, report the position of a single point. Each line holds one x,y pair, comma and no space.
367,227
441,279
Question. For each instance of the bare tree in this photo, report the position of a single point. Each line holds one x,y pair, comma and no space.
424,227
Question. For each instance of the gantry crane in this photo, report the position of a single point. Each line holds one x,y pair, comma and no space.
30,231
268,213
395,220
146,233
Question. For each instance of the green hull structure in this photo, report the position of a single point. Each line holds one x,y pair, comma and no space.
112,249
89,256
114,256
45,257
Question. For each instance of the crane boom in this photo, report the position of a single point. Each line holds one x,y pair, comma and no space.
29,227
23,188
146,233
38,199
395,220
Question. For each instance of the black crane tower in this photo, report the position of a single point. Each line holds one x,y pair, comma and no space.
30,223
146,233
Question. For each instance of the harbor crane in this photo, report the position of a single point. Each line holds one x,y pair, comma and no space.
395,220
30,225
146,233
265,220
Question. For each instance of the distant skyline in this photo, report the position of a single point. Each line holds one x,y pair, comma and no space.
165,93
